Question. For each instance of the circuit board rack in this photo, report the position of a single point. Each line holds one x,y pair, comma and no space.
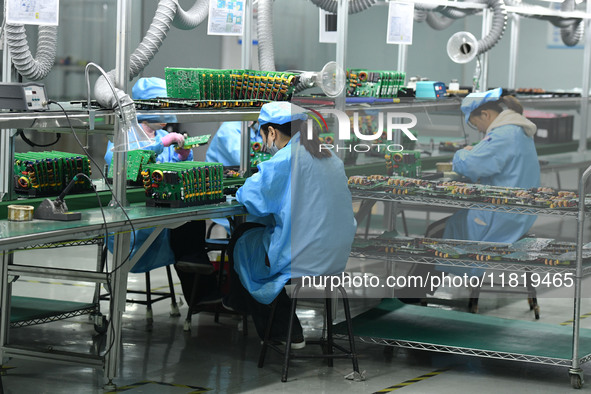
449,203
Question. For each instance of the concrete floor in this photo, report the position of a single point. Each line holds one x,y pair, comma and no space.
217,357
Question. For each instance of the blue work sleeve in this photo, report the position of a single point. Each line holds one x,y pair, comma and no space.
262,194
486,159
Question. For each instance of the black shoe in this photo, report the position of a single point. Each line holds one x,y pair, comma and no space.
213,298
297,343
411,301
195,264
226,307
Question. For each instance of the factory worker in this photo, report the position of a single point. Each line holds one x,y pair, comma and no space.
149,88
159,254
224,147
506,156
302,204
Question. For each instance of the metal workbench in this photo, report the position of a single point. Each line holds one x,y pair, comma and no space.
14,235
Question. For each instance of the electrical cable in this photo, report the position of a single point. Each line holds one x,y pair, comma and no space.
108,282
21,133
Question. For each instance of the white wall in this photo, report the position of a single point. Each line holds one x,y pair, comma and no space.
297,47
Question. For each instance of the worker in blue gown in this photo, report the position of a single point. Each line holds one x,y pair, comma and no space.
506,156
304,218
224,146
159,253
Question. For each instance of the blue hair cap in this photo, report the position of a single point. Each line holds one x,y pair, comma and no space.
475,100
149,88
281,112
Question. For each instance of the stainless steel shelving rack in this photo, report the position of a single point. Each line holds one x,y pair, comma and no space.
578,271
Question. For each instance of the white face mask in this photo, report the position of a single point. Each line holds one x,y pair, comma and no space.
272,149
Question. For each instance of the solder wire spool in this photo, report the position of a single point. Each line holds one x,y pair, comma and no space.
20,213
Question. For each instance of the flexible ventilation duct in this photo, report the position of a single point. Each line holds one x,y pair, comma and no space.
265,35
167,12
498,26
419,15
438,22
574,32
27,66
187,20
355,6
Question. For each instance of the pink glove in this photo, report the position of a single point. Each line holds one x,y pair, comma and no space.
183,153
173,138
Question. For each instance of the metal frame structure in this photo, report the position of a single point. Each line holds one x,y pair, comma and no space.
443,202
465,263
23,235
575,371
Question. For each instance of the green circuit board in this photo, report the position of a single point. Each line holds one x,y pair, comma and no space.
536,250
257,154
191,142
48,173
136,160
215,84
404,163
374,83
183,184
539,197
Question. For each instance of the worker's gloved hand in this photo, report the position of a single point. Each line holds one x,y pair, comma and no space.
173,138
183,154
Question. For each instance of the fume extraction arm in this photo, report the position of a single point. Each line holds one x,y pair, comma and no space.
462,46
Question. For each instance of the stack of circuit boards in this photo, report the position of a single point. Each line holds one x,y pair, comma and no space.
136,160
183,184
180,103
48,173
243,85
374,83
544,251
539,197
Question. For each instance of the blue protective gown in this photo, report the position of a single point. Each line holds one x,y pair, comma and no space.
164,154
306,207
224,147
505,157
159,254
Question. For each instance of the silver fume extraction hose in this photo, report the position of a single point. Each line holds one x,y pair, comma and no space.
355,6
498,26
265,35
572,33
27,66
167,12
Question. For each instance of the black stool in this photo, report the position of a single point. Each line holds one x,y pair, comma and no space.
160,295
211,245
327,343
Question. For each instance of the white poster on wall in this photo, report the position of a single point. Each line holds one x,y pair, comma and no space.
400,23
226,17
33,12
327,31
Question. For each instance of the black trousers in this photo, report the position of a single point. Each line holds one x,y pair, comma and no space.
241,300
189,239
